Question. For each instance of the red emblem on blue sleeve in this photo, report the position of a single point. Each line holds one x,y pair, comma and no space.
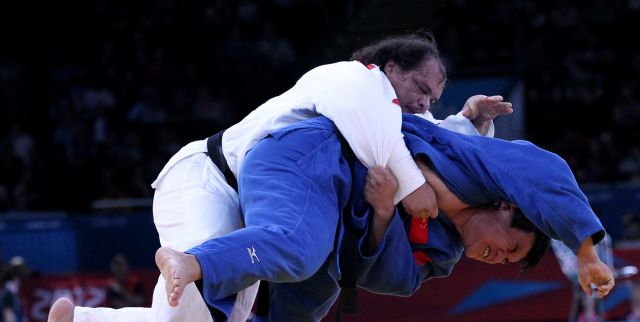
421,258
419,234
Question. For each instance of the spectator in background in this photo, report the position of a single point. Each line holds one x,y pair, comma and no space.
275,49
124,289
634,315
562,51
629,167
22,143
12,276
631,224
631,235
4,200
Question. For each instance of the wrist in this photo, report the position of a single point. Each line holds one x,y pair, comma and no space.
587,252
481,126
382,212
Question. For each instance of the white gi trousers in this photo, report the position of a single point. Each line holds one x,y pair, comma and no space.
192,203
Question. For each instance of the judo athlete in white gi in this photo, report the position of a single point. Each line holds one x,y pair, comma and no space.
194,203
295,183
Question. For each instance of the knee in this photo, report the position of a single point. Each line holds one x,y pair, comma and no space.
306,258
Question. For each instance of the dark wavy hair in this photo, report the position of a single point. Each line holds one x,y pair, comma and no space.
407,51
541,241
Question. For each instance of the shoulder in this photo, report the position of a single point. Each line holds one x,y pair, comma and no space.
352,70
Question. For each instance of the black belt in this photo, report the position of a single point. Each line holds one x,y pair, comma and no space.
348,250
214,150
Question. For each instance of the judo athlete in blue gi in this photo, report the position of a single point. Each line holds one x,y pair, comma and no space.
296,182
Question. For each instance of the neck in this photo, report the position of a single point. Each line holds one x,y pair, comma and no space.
448,203
460,219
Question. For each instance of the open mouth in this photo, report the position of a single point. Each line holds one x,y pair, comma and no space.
486,252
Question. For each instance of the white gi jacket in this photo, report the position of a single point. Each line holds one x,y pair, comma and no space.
360,100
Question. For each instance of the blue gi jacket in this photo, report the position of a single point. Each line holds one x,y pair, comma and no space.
481,170
295,183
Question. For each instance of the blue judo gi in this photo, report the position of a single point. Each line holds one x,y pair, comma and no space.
295,183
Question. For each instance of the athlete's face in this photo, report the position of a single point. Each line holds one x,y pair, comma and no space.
417,88
489,237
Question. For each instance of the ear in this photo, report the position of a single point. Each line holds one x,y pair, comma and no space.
507,206
390,66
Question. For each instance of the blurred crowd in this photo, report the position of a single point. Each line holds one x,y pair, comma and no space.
94,104
581,67
115,90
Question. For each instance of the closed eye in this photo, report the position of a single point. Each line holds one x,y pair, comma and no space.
513,250
423,90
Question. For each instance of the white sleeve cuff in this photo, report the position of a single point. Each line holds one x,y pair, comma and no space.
460,124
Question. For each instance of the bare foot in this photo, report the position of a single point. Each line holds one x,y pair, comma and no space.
178,270
61,311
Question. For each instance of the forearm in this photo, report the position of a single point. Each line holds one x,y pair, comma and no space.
593,274
379,224
390,268
405,169
587,252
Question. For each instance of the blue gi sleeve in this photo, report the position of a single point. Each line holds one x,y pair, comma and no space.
543,186
390,269
483,170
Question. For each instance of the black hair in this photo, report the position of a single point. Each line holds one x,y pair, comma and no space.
541,241
407,51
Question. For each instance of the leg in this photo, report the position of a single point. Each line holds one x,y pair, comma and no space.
184,268
291,192
63,310
192,203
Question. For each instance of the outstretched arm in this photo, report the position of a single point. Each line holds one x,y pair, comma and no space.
591,270
476,117
482,109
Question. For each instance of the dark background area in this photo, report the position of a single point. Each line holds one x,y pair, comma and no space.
95,96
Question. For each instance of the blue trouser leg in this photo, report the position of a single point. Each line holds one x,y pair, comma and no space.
292,190
305,301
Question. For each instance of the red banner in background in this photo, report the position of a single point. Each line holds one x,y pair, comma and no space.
475,292
38,294
478,292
